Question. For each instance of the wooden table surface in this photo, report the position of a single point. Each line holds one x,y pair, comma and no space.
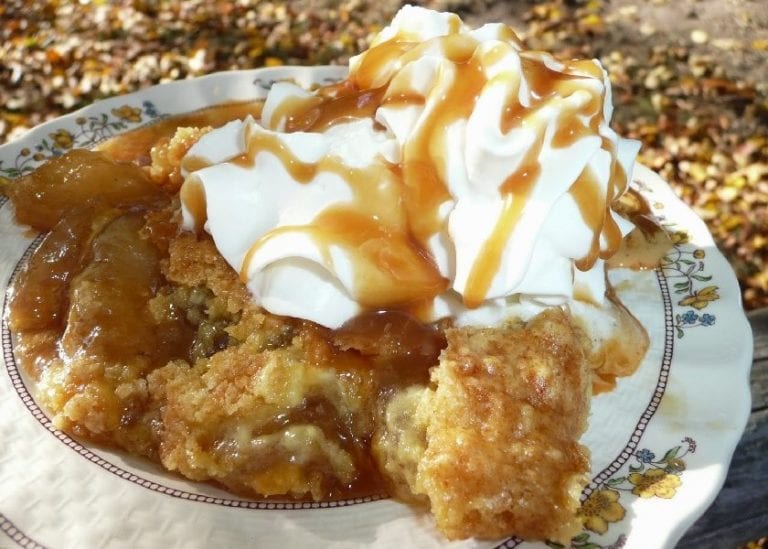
740,512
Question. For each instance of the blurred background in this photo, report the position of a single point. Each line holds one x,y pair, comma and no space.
690,76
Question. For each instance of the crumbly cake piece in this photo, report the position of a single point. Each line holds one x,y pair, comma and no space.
494,443
263,415
400,440
195,262
166,155
264,420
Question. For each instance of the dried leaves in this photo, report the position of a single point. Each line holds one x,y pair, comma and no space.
686,75
58,56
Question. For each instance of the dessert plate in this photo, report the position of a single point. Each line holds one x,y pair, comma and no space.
661,441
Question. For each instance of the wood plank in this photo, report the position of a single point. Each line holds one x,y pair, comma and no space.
759,321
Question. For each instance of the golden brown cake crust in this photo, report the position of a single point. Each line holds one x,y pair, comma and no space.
502,450
165,169
195,261
263,421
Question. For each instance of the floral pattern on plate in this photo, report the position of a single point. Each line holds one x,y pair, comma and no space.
648,479
87,132
685,268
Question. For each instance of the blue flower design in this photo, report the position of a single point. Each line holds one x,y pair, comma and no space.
707,319
150,109
690,317
645,455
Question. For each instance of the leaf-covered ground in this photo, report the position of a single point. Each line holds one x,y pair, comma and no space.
690,76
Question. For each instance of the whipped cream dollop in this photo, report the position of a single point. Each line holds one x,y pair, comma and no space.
453,174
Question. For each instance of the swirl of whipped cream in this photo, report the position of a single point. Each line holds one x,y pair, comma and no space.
452,174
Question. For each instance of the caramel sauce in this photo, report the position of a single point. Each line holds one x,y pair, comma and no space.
544,84
303,172
423,180
193,196
292,108
570,130
403,346
39,297
394,271
321,115
489,260
647,244
192,163
542,81
586,192
93,256
516,189
379,63
403,98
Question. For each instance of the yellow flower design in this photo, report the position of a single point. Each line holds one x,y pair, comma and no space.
679,237
63,139
600,508
701,298
126,112
655,482
699,254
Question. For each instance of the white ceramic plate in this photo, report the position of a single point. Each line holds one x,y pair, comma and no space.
661,442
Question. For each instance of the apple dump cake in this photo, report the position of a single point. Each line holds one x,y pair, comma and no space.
395,283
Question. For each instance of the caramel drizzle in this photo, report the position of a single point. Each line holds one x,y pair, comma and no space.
423,168
193,196
317,114
291,108
380,63
401,239
391,270
516,190
193,163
